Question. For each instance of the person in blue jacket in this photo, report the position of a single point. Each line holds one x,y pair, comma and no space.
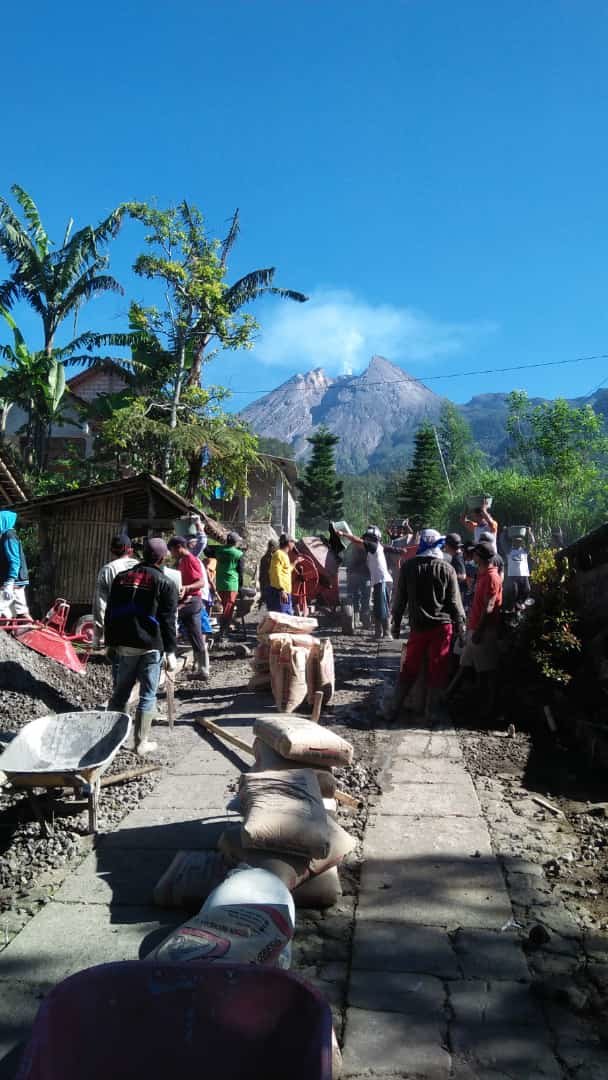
13,569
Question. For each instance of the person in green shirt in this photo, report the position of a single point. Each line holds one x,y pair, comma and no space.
228,578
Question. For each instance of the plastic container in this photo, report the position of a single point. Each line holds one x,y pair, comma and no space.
134,1021
475,501
517,532
184,526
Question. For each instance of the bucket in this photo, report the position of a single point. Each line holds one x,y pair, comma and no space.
474,501
184,526
517,532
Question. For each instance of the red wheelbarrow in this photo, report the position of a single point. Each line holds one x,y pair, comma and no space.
142,1021
49,637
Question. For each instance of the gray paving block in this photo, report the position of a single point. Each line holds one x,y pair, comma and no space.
64,938
193,793
389,1043
115,876
490,954
476,1004
435,891
397,946
441,744
450,799
19,1003
505,1051
422,997
401,839
169,830
205,761
403,769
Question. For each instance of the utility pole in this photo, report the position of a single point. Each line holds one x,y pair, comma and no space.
441,458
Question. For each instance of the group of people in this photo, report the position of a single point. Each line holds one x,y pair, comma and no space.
141,604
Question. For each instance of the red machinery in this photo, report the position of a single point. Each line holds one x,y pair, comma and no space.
315,578
49,638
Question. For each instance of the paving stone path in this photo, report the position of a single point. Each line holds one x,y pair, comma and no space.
438,986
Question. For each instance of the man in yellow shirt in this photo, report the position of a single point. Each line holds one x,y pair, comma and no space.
281,566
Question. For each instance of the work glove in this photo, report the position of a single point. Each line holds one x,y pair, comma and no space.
170,661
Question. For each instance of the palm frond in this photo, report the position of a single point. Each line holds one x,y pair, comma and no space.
85,289
14,240
90,340
37,231
255,284
231,238
8,293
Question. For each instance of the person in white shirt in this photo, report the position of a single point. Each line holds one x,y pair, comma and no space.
122,559
379,575
518,573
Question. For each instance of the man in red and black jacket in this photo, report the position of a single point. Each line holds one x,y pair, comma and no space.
140,625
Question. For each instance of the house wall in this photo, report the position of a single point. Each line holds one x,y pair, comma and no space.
75,544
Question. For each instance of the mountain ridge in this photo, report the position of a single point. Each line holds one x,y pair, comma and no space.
375,414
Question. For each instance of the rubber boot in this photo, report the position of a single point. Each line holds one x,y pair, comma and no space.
201,665
392,708
143,726
386,630
377,628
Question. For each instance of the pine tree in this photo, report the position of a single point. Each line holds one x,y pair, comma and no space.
460,454
423,489
321,494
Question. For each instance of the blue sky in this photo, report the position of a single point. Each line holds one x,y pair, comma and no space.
434,174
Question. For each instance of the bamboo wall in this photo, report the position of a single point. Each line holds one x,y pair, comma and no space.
76,544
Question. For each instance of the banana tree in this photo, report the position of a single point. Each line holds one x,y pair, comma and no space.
55,282
35,382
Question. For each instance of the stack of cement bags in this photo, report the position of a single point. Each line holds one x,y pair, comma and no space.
292,662
288,808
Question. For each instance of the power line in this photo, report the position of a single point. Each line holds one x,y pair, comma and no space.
404,377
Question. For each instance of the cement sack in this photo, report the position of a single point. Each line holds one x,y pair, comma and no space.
260,680
320,672
292,870
276,623
189,879
267,758
341,844
319,892
249,919
296,869
260,661
303,741
283,811
288,675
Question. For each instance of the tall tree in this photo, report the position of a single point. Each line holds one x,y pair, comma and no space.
55,282
423,490
240,294
35,382
321,493
460,455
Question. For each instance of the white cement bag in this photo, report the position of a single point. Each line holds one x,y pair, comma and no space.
276,623
288,675
320,672
283,811
320,891
249,919
303,741
189,879
267,758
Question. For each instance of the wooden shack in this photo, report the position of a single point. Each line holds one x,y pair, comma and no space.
75,529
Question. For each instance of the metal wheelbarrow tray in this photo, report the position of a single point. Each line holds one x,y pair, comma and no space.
69,749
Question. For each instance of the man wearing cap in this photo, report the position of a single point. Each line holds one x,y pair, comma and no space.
428,586
481,650
487,537
122,559
228,577
140,625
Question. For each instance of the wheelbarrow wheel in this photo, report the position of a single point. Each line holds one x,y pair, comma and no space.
348,619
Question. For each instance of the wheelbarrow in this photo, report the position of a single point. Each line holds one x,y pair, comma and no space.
50,638
69,749
144,1021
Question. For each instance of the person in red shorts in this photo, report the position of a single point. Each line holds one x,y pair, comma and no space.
428,586
195,592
